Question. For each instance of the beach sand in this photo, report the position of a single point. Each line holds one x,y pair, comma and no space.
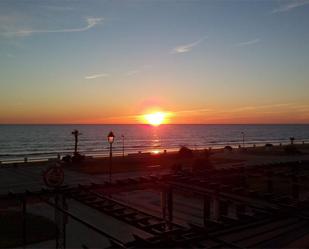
219,158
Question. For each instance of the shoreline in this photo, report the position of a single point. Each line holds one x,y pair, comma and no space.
51,157
156,162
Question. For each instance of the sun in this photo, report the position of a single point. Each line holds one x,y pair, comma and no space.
155,118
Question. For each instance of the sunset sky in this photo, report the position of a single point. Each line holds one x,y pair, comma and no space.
111,61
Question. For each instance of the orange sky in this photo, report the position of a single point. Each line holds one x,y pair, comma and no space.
272,113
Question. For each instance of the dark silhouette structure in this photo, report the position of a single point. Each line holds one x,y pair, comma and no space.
76,134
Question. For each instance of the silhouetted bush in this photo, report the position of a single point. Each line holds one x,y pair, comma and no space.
67,159
207,153
77,158
291,150
185,152
268,145
292,139
228,148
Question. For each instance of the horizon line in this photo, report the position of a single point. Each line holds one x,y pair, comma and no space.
155,126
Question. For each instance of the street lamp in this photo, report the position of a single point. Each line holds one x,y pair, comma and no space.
243,139
110,139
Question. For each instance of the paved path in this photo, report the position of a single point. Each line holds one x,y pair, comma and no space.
29,177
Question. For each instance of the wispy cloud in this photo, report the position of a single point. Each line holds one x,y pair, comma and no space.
194,111
133,72
95,76
186,47
138,70
90,21
290,5
246,43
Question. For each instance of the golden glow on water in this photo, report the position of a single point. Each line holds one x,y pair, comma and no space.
155,151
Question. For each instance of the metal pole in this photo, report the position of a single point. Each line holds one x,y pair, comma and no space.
76,141
110,162
64,220
57,220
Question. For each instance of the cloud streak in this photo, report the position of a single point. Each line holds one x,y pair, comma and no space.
138,70
290,6
95,76
186,47
90,21
247,43
133,72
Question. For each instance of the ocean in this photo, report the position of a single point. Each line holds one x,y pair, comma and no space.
47,141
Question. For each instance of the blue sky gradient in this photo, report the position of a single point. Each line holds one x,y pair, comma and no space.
106,61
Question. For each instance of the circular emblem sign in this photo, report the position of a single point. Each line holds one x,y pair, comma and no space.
53,177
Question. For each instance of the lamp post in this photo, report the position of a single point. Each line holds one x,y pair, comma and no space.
75,133
110,139
122,136
243,139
